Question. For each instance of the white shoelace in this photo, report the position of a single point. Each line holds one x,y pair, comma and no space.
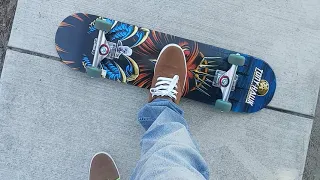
166,87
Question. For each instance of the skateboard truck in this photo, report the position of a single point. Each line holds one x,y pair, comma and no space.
103,49
100,49
226,81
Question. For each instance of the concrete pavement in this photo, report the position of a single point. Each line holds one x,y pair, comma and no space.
49,128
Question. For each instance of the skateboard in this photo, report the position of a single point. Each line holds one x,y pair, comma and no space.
107,48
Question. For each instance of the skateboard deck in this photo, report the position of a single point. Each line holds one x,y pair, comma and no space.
137,49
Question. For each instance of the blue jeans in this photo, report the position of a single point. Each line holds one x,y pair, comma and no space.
167,149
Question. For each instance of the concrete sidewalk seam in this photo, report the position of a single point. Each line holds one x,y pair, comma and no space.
290,112
24,51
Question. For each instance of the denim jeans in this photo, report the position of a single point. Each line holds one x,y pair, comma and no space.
167,149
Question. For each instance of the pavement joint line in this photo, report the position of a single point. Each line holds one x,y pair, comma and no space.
58,59
24,51
290,112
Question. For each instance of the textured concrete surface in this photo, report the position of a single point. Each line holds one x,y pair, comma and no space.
7,9
312,167
47,131
54,119
286,34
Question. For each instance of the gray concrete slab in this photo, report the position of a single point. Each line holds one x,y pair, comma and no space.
284,33
312,168
53,119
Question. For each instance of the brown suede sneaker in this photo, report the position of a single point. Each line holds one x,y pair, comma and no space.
103,167
170,74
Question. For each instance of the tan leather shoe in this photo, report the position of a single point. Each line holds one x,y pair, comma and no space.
103,167
170,74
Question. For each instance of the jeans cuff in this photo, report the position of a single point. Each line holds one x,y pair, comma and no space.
150,112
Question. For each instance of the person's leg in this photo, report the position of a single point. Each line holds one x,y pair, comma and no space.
167,149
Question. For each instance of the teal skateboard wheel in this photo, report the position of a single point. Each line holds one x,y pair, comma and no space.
102,25
236,59
224,106
94,72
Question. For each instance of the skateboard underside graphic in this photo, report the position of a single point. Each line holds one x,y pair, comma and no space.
128,53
